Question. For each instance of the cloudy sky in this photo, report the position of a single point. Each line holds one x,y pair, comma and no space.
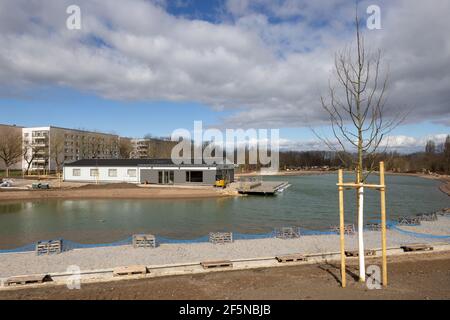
141,66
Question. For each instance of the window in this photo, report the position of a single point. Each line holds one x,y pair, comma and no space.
76,172
131,172
94,172
112,173
194,176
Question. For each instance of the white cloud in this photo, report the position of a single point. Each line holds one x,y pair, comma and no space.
271,74
400,143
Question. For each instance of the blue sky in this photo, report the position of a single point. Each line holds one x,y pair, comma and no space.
229,63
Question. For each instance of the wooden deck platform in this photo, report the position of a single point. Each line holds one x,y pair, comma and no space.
262,187
291,258
355,253
31,279
129,270
416,247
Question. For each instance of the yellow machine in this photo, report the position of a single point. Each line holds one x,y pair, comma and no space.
220,183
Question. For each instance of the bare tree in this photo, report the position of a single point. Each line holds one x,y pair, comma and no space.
57,151
10,147
357,106
430,147
357,111
30,153
125,148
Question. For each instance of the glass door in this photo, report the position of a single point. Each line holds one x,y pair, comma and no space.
165,177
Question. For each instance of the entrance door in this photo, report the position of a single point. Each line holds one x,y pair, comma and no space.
165,177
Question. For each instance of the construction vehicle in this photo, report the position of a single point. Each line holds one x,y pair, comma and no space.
221,183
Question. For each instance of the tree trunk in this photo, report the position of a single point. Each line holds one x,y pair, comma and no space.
360,207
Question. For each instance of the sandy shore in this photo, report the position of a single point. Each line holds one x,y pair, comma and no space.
112,191
109,257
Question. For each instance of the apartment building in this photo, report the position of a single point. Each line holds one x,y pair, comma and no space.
152,148
48,148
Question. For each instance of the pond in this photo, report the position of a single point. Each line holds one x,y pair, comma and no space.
311,202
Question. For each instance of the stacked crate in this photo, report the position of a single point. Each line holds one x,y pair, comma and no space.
427,217
407,221
220,237
144,241
49,247
349,229
287,232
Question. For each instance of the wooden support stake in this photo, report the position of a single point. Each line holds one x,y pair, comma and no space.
383,224
341,227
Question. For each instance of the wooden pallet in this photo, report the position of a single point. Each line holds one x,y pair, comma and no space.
291,258
129,270
48,247
220,237
144,241
287,232
355,253
216,264
32,279
416,247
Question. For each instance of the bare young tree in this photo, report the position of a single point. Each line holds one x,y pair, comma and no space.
357,106
359,120
57,149
10,147
30,153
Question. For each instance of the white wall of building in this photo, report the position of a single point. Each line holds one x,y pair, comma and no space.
104,174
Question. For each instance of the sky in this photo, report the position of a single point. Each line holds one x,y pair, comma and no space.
141,67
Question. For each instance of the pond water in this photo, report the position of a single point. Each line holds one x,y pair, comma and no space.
311,202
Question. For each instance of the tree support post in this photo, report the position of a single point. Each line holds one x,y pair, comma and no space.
341,228
383,224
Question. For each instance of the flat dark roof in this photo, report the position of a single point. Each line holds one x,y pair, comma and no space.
126,163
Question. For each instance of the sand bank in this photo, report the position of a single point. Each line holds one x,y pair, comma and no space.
112,191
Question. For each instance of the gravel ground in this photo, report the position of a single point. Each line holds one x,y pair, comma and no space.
108,257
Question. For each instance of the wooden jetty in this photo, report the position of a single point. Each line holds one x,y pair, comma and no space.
262,187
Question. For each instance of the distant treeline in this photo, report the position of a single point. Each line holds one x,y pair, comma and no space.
434,158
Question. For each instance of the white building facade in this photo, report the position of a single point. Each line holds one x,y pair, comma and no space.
146,171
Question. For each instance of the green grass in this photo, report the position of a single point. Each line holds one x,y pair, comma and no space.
12,173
